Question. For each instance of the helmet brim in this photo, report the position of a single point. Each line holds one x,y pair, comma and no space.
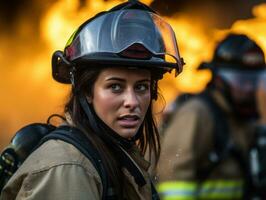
61,68
219,65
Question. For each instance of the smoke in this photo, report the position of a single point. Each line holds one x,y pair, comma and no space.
14,12
218,14
222,13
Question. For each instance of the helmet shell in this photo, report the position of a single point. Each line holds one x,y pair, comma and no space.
130,35
237,51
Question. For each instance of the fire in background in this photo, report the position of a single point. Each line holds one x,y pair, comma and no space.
32,30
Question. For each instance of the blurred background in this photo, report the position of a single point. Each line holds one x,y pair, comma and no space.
31,30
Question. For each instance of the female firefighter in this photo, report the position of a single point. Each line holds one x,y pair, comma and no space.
113,61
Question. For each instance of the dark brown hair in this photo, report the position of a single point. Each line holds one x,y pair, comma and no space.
148,140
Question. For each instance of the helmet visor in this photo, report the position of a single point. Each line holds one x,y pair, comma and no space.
243,83
116,31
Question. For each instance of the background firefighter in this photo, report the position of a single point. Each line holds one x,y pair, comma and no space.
209,137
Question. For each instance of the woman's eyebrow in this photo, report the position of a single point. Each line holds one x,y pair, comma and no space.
124,80
115,79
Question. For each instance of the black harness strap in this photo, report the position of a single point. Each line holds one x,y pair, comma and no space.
118,147
155,195
223,143
221,137
71,135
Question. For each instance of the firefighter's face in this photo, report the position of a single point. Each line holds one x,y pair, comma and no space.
243,87
121,98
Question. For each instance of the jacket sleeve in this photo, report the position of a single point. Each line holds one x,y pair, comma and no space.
68,182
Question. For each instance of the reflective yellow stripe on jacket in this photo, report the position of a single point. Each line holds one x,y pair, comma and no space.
215,189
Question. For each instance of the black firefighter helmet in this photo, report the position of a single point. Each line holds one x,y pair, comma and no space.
130,34
239,62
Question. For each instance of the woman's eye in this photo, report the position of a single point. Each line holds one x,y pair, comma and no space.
142,87
116,87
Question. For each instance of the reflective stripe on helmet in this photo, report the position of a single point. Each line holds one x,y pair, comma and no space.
70,40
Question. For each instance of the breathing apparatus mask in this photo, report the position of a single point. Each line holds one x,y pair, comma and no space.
242,88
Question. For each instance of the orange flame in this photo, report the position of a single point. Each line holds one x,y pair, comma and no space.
31,95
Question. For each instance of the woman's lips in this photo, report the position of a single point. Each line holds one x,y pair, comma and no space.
129,121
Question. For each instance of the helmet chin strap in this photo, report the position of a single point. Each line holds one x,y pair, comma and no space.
112,139
114,143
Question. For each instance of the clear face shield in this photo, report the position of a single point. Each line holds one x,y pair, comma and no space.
114,32
243,87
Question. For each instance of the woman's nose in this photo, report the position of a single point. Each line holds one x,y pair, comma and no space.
131,99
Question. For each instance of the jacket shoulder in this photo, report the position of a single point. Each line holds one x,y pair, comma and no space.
53,161
54,153
194,109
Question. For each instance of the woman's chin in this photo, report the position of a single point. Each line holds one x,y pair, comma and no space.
127,133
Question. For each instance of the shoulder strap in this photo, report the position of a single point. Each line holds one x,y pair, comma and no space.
223,144
75,137
221,126
221,136
155,195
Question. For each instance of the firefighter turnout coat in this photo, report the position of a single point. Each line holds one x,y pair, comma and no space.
58,170
187,143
